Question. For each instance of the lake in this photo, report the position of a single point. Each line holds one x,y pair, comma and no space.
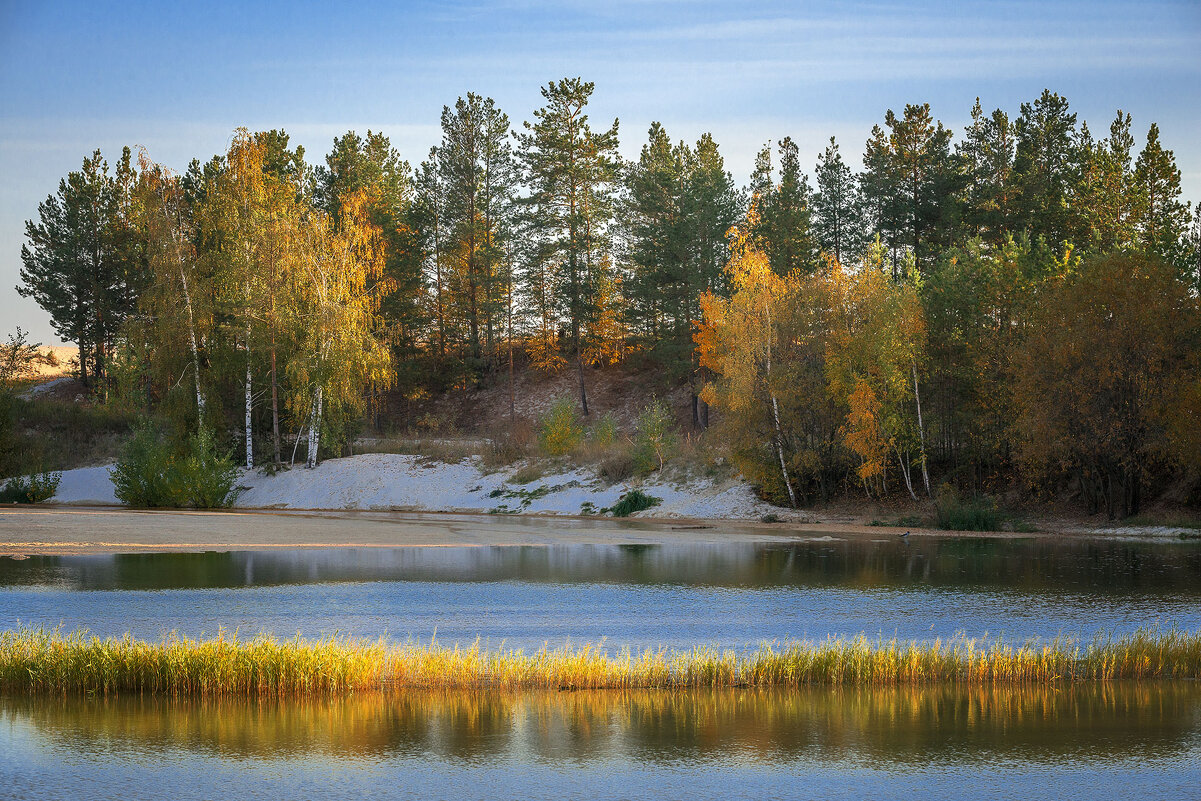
1094,741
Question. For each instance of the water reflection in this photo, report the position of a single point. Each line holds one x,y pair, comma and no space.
1117,724
1042,564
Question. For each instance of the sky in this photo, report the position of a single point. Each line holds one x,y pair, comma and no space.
178,78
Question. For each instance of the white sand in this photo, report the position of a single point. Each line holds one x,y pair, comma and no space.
411,483
87,485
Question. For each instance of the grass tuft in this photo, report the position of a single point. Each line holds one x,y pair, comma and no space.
34,661
633,501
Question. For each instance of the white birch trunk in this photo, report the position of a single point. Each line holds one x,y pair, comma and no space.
249,406
775,411
315,430
775,408
903,463
921,431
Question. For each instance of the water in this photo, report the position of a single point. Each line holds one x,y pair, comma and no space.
1112,741
1120,741
737,595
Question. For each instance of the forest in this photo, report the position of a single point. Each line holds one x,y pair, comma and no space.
1013,306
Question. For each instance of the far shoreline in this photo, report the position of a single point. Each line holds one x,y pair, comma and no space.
70,529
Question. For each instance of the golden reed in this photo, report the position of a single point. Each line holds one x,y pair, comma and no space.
37,661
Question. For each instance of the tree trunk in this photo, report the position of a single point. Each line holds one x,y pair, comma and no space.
187,298
775,410
512,399
314,430
579,361
274,404
921,431
249,406
903,463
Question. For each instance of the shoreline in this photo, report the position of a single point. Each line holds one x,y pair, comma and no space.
70,529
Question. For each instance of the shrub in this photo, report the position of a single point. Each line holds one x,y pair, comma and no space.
508,444
953,513
209,478
604,431
527,474
34,488
634,501
151,473
617,466
560,430
654,440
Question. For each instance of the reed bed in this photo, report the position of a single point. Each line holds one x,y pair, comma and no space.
35,661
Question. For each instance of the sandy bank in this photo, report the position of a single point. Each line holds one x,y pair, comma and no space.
402,482
61,530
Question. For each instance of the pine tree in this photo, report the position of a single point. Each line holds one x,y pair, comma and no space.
1163,220
570,171
785,228
85,262
1106,198
478,177
880,193
681,201
986,155
1043,168
919,150
836,210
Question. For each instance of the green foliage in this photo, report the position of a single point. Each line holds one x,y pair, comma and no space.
654,438
954,513
603,433
153,473
633,501
84,262
34,488
560,430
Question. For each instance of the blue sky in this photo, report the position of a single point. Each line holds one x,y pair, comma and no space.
179,77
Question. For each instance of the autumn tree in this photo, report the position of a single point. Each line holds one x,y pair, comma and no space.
176,308
397,207
1107,380
737,341
875,356
340,351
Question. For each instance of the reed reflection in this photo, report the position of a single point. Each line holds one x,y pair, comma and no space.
1110,724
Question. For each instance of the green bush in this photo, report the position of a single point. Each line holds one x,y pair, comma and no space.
34,488
953,513
654,439
604,431
209,478
634,501
560,430
151,473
